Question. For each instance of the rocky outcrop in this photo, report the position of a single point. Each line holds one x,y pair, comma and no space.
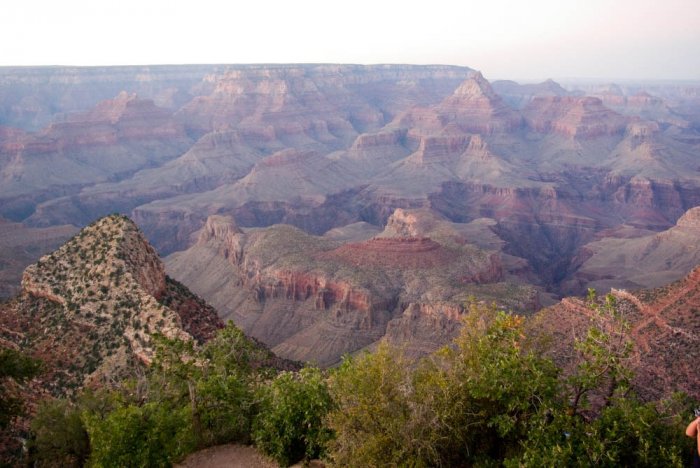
109,280
690,219
473,107
581,117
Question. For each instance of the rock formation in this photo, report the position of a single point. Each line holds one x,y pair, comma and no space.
633,258
315,298
582,117
321,147
89,309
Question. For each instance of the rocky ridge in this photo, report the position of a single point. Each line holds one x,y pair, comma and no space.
89,309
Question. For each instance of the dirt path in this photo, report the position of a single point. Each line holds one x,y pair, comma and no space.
653,311
227,456
234,456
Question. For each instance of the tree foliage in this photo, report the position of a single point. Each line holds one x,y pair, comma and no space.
60,436
491,399
289,423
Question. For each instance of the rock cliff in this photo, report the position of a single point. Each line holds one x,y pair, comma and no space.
315,298
89,309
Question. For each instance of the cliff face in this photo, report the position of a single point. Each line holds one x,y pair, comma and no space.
633,258
91,306
313,298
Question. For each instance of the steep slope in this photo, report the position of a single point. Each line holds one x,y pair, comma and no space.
633,258
315,298
88,309
664,328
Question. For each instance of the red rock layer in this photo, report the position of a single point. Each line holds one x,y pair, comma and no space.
398,253
325,294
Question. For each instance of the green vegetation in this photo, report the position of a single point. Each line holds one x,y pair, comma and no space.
15,369
490,398
289,425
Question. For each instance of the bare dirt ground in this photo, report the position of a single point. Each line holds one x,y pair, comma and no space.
227,456
234,456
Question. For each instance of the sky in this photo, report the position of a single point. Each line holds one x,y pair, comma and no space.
516,39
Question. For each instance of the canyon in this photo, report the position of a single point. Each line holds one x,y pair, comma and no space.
322,207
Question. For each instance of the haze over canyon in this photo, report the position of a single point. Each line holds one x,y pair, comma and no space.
322,207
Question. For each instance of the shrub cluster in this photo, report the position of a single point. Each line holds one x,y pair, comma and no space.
488,399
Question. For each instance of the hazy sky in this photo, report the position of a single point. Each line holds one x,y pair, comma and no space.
519,39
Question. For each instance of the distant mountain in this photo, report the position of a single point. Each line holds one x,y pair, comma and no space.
20,246
321,147
110,141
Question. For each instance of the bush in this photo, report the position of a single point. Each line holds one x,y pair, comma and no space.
150,435
19,368
224,409
471,403
627,433
289,426
373,411
60,437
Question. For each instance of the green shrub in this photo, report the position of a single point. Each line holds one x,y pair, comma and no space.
60,437
289,426
152,435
